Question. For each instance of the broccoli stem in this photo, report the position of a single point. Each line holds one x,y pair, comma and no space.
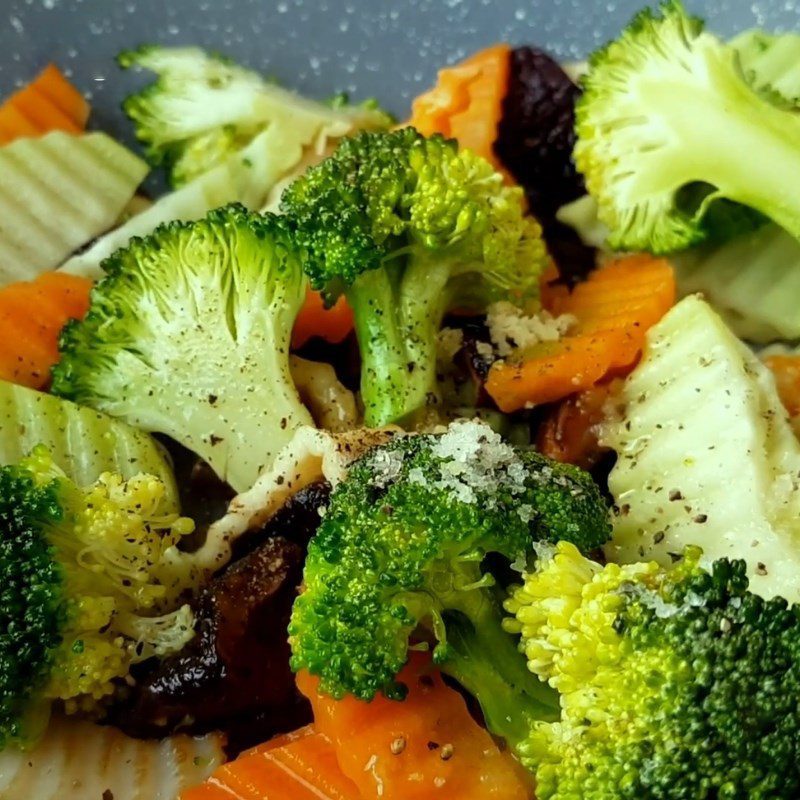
398,311
486,661
755,165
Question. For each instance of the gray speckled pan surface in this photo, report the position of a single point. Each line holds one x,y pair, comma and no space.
388,50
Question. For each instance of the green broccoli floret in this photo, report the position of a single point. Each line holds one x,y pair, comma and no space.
675,144
188,335
204,108
90,581
400,553
409,228
675,684
771,63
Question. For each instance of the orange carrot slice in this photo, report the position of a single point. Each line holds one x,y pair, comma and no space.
786,369
467,102
331,324
32,315
427,746
614,309
49,103
298,766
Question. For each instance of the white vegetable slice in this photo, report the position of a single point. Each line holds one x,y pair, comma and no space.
706,455
83,442
214,189
77,760
57,193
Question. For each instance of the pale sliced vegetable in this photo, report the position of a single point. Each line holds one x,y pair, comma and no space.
57,193
581,216
83,442
752,280
706,455
77,760
214,189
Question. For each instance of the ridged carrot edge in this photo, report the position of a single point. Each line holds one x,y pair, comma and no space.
614,309
48,103
32,314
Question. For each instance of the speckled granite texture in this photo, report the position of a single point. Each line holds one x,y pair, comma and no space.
379,48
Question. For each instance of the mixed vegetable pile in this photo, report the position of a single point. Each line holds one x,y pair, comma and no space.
452,457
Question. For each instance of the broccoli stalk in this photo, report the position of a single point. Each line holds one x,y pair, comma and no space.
188,335
650,144
674,682
399,558
90,582
409,228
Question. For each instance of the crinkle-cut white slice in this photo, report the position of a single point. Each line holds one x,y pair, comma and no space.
752,280
706,455
83,442
78,760
310,456
214,189
57,193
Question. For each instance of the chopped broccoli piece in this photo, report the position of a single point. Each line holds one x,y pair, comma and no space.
400,555
90,580
771,63
674,683
188,335
649,140
204,108
409,228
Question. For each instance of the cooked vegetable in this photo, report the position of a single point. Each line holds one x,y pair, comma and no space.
204,109
32,315
467,102
82,442
409,228
753,281
674,683
48,103
770,63
613,310
90,580
218,187
649,144
399,555
427,746
297,766
705,455
317,319
59,192
785,367
189,336
77,760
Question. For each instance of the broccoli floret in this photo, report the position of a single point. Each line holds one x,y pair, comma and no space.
400,555
410,228
188,335
649,142
674,683
204,108
90,581
771,63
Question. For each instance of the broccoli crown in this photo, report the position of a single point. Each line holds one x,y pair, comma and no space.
383,196
410,227
89,582
189,334
402,544
675,683
203,108
648,143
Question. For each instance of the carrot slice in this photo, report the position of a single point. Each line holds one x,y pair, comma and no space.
467,102
786,369
298,766
32,315
48,103
331,324
614,309
427,746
